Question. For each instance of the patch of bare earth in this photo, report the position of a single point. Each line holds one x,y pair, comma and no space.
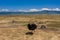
18,33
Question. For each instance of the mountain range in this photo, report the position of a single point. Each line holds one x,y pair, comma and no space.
35,12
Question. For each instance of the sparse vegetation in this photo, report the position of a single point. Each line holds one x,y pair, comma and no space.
17,30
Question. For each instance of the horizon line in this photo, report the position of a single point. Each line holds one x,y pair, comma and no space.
31,10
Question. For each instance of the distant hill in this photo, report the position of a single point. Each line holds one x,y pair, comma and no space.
37,12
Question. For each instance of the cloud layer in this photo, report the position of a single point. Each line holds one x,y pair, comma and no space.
32,10
5,10
35,10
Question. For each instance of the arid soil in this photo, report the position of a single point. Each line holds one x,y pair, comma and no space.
15,27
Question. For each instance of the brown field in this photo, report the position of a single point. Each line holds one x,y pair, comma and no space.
15,27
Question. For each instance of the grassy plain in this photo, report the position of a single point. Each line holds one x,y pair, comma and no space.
14,27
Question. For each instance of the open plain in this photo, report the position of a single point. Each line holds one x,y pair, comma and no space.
14,27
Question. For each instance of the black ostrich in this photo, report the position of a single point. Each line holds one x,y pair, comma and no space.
32,26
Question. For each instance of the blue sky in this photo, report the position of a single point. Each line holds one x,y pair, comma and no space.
29,4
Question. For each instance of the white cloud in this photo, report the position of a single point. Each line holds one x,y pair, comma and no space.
45,9
32,10
56,9
22,10
4,10
50,9
35,10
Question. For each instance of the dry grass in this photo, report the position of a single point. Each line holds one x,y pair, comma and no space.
16,30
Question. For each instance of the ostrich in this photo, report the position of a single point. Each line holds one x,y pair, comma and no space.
43,27
32,26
